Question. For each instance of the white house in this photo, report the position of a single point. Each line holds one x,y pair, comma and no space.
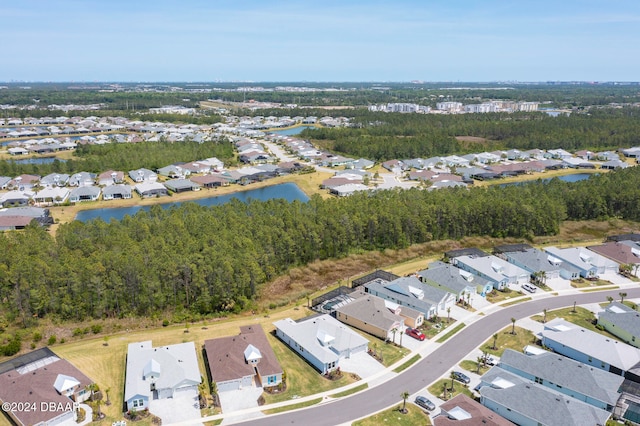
159,373
322,340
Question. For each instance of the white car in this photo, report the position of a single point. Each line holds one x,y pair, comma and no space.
491,360
530,288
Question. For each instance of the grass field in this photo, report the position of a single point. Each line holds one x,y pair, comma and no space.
472,366
293,406
515,302
506,340
351,391
437,389
451,333
407,364
415,416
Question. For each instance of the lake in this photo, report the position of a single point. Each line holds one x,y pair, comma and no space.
287,191
576,177
292,131
47,160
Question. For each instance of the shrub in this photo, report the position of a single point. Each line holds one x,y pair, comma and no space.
165,322
37,336
52,340
96,328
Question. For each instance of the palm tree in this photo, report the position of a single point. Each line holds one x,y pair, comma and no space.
453,378
394,331
495,340
449,314
544,318
513,326
401,333
622,296
404,397
609,299
479,361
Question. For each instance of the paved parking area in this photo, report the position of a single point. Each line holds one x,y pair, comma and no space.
184,406
559,284
615,278
362,364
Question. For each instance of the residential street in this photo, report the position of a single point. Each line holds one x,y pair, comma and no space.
439,361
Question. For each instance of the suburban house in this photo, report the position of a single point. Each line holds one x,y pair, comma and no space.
55,179
536,261
621,321
244,360
322,340
454,280
84,193
526,403
50,196
151,189
41,377
143,175
173,171
116,192
24,182
376,316
589,263
572,378
210,181
159,373
110,177
412,293
4,182
499,272
464,411
591,348
181,185
82,179
16,198
622,252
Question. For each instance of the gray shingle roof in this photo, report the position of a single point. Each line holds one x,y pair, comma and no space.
450,277
622,317
569,374
540,404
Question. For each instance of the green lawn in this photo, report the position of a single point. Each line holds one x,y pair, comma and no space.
451,332
389,352
351,391
506,340
293,406
472,366
415,416
628,303
582,317
302,378
407,364
498,296
437,389
582,283
515,302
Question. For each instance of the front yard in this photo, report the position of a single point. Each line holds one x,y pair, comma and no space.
415,416
438,389
505,339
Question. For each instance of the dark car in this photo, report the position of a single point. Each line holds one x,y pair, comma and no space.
461,377
425,403
415,333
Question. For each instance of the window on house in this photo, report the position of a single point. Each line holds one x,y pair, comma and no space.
538,380
633,338
590,360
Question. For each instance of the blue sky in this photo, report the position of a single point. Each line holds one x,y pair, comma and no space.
430,40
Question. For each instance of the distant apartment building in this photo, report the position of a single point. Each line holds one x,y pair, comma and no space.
449,106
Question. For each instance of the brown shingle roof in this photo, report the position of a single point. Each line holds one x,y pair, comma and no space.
36,387
226,355
616,251
480,415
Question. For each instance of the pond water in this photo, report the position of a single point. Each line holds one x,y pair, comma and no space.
292,131
47,160
287,191
566,178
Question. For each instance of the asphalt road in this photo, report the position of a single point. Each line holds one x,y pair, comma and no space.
431,368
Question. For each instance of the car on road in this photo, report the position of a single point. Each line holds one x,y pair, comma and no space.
415,333
530,288
461,377
425,403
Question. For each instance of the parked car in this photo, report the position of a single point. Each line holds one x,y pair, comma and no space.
490,360
415,333
461,377
530,288
425,403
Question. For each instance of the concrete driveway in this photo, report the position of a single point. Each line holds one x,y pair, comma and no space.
362,364
559,284
240,399
184,406
615,278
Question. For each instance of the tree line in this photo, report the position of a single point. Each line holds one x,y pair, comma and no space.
381,136
201,261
